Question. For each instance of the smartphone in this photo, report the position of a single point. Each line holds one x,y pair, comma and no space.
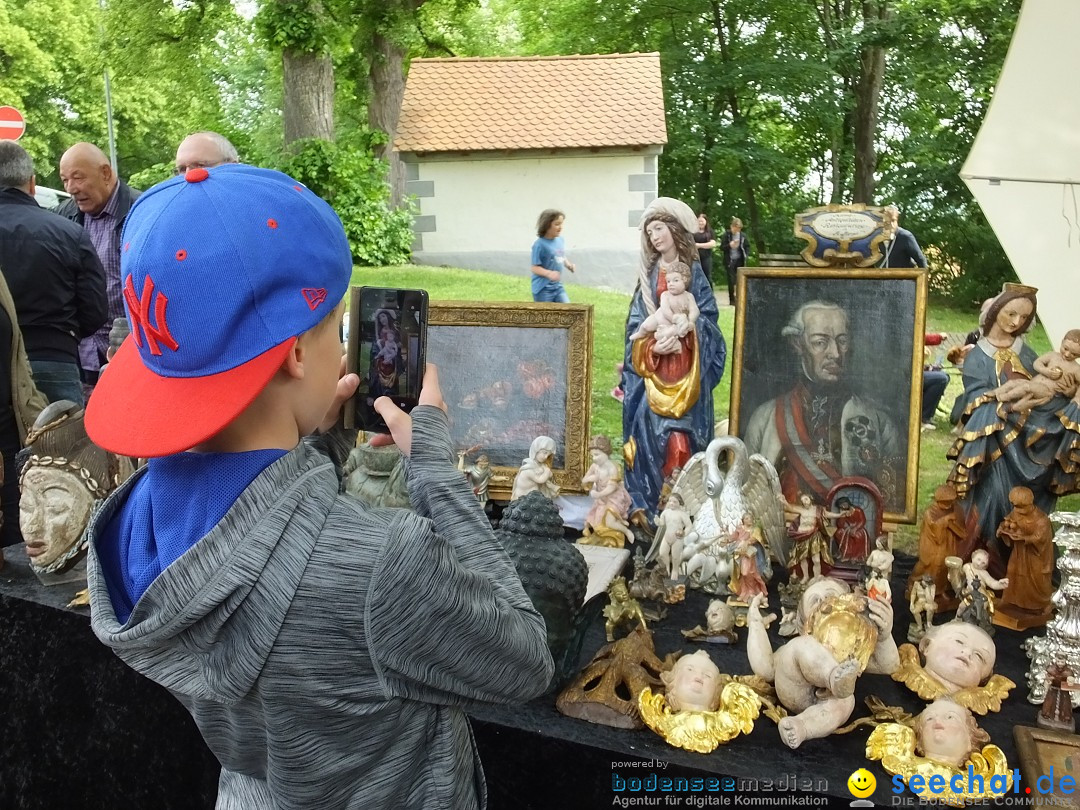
386,348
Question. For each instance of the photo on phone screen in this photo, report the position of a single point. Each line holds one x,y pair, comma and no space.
387,344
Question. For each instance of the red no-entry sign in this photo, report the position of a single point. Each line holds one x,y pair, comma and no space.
12,124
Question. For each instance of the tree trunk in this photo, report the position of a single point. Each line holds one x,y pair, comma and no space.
867,94
739,122
309,95
386,82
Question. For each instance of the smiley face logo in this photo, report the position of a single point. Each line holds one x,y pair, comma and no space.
861,783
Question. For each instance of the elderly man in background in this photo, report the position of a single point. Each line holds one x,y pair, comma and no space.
901,247
100,202
55,277
204,150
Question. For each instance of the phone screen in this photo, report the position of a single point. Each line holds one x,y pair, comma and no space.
387,345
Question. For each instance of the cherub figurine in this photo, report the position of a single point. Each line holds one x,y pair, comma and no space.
534,474
1026,601
719,625
478,474
809,535
1056,373
621,609
976,568
677,313
959,662
943,743
673,526
923,606
747,550
606,523
841,635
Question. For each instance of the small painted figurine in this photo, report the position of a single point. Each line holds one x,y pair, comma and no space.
719,625
652,584
881,559
1027,529
976,606
1057,708
621,609
809,536
672,528
534,475
1057,373
877,587
747,551
851,537
606,523
478,475
841,635
923,606
977,567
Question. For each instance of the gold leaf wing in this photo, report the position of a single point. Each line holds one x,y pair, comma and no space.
893,740
914,677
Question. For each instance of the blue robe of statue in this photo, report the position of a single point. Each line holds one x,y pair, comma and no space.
648,430
999,449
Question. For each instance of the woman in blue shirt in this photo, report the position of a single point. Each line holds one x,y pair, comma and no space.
549,259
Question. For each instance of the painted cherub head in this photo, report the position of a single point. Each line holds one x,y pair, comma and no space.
947,732
958,654
693,684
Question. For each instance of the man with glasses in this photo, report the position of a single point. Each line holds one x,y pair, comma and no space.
204,150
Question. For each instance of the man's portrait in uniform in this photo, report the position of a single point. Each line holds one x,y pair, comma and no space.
824,376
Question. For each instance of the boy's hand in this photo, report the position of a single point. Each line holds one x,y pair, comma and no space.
400,423
346,387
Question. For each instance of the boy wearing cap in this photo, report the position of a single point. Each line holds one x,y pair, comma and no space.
324,649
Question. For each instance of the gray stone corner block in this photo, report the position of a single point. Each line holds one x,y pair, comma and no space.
420,188
650,164
642,182
412,171
424,224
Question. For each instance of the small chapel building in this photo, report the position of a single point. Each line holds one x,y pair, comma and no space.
488,143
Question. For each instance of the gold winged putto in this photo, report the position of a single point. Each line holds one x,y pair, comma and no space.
979,699
702,731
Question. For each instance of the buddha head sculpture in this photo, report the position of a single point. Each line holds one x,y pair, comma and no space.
63,474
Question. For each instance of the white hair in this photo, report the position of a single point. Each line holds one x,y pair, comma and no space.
797,325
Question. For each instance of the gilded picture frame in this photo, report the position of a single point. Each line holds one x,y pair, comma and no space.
1043,751
852,409
512,371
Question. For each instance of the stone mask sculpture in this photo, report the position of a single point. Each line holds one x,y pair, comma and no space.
63,475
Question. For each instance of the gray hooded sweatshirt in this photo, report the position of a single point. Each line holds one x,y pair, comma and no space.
327,650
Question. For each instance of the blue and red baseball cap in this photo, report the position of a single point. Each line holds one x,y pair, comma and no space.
221,270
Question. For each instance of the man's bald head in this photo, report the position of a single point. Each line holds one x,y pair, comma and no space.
88,177
203,150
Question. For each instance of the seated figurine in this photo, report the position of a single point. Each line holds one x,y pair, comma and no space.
944,741
534,475
700,708
607,521
63,476
958,661
923,606
976,606
621,608
841,635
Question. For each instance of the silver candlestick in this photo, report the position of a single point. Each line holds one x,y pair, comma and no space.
1062,640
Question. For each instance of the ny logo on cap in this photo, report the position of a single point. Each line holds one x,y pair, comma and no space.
139,309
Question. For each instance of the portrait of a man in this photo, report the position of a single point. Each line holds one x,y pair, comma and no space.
824,381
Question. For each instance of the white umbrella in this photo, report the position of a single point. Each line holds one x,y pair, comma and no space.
1024,167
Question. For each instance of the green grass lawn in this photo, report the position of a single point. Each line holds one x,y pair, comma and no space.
609,318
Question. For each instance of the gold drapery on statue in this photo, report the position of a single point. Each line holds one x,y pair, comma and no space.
671,399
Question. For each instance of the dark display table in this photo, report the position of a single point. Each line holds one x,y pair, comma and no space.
80,729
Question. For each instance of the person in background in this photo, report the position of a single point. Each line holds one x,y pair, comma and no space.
100,202
934,383
204,150
549,259
736,252
54,275
706,241
901,248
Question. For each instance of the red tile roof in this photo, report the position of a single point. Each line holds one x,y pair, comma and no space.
548,102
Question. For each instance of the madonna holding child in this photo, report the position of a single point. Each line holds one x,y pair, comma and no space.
668,405
997,448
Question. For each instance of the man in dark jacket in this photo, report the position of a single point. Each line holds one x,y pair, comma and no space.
901,248
99,202
54,275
